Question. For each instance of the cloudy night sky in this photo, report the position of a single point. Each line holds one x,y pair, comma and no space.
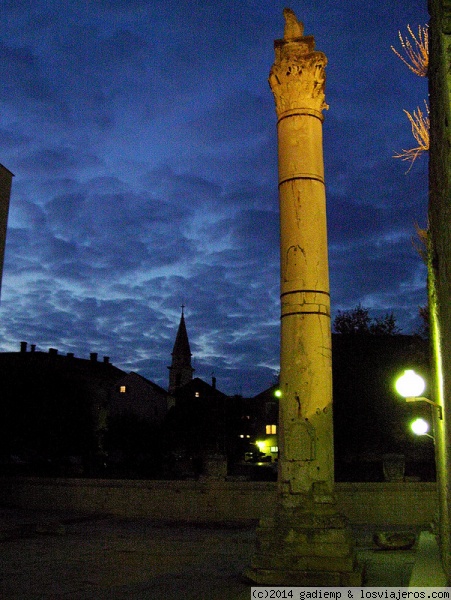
142,137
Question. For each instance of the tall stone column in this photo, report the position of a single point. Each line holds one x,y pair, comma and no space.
307,542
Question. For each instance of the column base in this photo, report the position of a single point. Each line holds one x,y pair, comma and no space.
306,549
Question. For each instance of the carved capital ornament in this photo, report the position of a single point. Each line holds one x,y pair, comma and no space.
297,77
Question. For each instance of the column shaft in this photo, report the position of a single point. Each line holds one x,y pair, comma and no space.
306,542
305,419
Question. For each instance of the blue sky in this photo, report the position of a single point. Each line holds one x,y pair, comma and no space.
143,142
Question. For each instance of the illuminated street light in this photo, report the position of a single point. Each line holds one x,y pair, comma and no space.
278,393
411,386
420,427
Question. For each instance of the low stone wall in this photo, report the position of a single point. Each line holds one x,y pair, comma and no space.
409,503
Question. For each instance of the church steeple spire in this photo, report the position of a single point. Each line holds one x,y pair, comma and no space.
180,371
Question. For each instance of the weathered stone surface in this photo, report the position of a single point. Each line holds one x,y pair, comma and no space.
305,425
307,542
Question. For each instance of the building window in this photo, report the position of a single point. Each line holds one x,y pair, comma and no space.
196,394
274,449
271,429
122,389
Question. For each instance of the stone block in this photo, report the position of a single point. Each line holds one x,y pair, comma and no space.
339,550
296,536
333,536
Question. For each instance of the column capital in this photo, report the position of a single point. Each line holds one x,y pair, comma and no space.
297,77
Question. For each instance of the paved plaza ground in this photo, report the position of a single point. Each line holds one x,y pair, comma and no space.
57,556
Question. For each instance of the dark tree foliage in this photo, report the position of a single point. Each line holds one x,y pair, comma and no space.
358,321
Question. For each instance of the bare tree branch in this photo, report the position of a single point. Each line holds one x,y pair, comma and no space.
416,51
420,131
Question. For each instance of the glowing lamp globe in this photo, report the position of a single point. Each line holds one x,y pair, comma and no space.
420,427
410,385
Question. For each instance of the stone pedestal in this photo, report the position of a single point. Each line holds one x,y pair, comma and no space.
306,546
307,542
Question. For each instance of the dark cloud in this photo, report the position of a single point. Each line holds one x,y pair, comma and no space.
143,140
242,115
22,74
54,161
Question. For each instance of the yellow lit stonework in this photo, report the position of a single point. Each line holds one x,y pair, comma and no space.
307,542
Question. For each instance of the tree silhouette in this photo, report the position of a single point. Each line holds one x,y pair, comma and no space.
358,321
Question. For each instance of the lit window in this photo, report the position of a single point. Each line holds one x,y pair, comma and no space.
275,449
196,394
271,429
122,389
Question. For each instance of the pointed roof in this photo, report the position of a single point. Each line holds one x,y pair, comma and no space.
180,371
181,344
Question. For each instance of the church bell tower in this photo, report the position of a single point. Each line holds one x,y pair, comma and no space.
180,371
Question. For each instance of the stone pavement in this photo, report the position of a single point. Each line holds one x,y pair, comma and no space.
57,556
427,570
